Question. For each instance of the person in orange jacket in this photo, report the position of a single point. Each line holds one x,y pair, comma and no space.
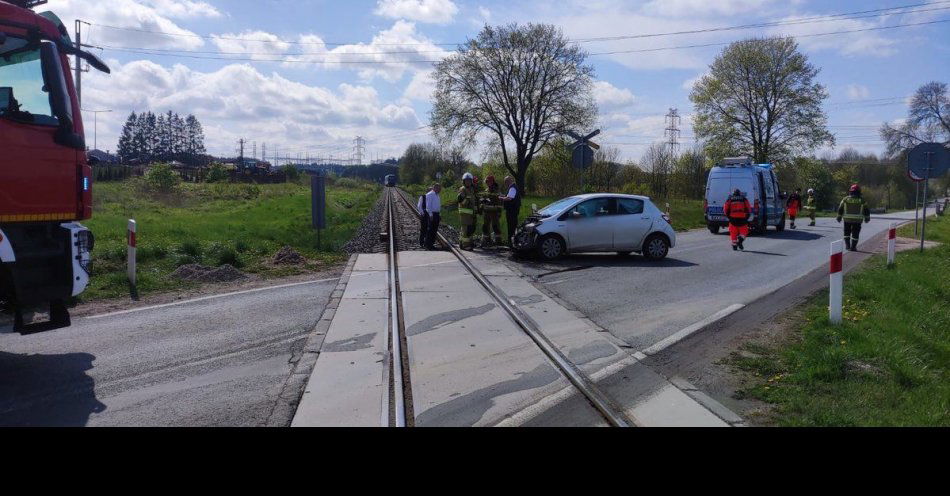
794,204
738,211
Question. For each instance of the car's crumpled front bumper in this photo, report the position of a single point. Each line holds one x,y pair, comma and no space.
526,237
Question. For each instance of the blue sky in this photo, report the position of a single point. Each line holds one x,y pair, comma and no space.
278,83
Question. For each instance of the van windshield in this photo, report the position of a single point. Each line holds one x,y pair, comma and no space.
23,95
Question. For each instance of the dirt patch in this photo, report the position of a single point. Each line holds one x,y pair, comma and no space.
288,256
202,273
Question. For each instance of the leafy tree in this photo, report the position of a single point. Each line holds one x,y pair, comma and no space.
217,173
760,99
928,120
521,85
160,178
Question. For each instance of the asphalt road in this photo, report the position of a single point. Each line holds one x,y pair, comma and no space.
220,361
643,303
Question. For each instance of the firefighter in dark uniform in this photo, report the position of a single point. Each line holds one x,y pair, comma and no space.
468,206
854,210
738,211
491,207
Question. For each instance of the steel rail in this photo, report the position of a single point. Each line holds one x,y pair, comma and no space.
395,312
607,407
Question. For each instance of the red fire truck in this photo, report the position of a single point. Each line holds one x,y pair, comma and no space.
45,179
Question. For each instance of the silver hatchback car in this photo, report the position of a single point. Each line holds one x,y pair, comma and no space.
597,223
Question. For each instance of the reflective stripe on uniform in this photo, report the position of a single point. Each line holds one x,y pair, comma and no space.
467,211
853,209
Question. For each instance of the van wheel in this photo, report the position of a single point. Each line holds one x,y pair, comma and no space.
713,228
550,247
781,226
656,247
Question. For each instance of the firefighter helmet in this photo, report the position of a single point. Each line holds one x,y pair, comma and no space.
855,188
468,175
811,191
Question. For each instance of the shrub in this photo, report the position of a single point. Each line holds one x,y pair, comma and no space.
160,178
292,173
217,173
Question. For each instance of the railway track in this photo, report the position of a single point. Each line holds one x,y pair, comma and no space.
397,207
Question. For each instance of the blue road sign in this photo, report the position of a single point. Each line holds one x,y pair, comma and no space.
928,160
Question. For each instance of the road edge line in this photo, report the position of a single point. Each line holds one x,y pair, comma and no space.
691,329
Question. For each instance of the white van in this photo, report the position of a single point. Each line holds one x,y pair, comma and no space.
759,184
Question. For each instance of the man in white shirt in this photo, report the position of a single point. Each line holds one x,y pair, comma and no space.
433,206
512,203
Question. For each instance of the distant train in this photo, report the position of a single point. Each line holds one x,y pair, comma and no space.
390,180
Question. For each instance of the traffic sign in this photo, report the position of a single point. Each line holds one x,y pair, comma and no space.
582,157
928,160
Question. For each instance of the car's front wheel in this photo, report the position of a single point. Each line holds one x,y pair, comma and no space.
656,247
551,247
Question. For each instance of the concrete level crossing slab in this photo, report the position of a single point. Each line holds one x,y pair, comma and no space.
347,386
470,363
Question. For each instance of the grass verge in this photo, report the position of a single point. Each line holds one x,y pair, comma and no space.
885,365
215,224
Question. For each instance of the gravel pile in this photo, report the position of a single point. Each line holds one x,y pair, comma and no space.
203,273
288,256
366,238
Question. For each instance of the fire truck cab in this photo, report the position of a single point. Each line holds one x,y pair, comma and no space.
45,180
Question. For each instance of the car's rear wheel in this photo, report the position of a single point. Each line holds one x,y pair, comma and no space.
781,226
656,247
551,247
713,228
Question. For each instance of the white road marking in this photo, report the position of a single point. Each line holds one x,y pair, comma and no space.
211,297
687,331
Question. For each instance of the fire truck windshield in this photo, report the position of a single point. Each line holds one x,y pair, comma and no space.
23,95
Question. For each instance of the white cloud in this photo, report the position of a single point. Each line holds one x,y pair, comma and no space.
421,87
609,96
858,92
689,83
257,44
238,101
871,43
678,8
430,11
135,17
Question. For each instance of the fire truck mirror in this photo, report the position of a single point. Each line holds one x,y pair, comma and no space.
56,84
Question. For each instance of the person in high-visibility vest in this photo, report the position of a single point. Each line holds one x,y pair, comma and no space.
853,209
793,204
811,205
467,204
738,211
491,206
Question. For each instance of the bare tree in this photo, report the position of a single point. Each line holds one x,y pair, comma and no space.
522,85
928,120
760,98
657,161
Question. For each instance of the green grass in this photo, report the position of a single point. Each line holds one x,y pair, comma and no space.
214,224
686,214
885,365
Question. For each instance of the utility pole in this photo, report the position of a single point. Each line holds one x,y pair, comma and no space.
241,143
95,132
672,131
264,151
255,150
358,146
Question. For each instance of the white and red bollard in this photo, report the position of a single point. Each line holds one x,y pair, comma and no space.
131,243
891,243
836,285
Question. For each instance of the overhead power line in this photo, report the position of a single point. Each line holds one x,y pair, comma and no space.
861,14
409,61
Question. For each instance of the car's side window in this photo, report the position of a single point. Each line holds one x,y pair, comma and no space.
629,206
593,208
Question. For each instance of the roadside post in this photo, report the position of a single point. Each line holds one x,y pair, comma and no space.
891,243
318,203
130,237
836,283
582,152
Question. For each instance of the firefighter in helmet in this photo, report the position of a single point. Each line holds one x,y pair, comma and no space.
853,209
468,206
811,205
738,211
491,207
